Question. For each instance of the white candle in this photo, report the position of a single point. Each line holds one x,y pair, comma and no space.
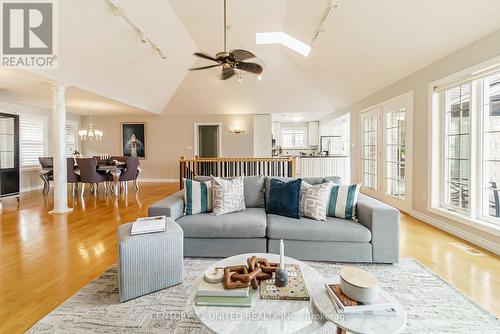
282,254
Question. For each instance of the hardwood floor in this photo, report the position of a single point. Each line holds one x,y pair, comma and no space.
46,259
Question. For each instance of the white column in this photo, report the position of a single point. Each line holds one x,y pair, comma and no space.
59,148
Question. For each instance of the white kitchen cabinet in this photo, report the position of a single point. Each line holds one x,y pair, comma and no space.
313,133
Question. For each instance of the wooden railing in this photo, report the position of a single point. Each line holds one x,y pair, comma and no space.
231,167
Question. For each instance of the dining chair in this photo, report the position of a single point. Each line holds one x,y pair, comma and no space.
72,177
495,204
89,174
47,173
131,172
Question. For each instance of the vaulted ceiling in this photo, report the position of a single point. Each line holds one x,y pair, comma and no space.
367,45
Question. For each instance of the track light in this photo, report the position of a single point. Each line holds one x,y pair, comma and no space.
259,77
118,11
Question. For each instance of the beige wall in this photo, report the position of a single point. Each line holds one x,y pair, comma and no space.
170,137
30,178
477,52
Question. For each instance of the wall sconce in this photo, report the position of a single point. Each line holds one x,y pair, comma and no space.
237,130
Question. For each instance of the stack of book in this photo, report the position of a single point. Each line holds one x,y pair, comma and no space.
346,305
209,294
149,225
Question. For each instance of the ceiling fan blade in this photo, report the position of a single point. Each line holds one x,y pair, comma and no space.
250,67
204,56
203,67
227,72
240,54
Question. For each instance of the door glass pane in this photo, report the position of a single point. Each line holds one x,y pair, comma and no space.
457,147
491,145
369,151
7,147
395,173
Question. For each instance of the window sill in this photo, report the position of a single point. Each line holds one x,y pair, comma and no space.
479,224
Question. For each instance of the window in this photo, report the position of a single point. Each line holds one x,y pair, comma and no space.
491,147
468,130
457,147
369,150
32,138
395,174
71,137
293,138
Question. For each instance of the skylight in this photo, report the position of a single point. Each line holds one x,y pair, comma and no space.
279,37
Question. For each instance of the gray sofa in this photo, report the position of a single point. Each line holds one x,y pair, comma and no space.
375,238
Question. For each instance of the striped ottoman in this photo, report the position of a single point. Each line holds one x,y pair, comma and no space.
149,262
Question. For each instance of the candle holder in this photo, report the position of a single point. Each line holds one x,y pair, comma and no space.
281,275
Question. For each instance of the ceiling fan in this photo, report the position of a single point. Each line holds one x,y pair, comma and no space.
230,61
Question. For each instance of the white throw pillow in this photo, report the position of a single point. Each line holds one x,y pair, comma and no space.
343,201
197,196
314,200
227,195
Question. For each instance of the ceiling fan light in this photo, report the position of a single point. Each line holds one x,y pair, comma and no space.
259,77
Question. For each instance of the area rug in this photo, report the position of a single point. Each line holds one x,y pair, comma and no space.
432,305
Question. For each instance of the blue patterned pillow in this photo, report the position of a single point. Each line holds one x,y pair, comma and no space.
197,196
343,200
284,198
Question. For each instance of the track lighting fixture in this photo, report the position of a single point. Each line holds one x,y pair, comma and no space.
118,11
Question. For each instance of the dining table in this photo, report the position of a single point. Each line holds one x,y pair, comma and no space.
115,170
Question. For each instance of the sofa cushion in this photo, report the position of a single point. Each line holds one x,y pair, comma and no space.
334,229
197,196
309,180
343,200
254,189
228,195
284,198
250,223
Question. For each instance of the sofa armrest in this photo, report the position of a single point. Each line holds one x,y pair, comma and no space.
383,222
171,206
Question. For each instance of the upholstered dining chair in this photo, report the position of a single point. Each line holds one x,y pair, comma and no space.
131,172
72,176
47,173
89,174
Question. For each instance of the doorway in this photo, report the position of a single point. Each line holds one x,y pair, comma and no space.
207,140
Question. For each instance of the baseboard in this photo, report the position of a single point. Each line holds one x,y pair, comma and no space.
470,237
26,189
158,180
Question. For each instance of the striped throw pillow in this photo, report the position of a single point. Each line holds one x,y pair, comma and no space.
197,196
343,200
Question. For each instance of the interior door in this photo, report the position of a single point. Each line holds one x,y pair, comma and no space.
386,152
208,141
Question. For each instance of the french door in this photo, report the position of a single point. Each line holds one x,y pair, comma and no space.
386,151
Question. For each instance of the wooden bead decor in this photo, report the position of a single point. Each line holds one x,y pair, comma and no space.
242,276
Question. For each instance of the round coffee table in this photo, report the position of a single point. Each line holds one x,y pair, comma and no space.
359,323
267,316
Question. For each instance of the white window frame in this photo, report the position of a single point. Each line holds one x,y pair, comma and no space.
373,112
435,168
74,124
35,166
396,103
294,130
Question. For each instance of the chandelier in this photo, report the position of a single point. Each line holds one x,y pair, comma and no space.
90,133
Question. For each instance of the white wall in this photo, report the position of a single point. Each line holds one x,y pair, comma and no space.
170,137
481,50
30,178
262,136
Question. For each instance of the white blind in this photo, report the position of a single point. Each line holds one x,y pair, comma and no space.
71,137
32,136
